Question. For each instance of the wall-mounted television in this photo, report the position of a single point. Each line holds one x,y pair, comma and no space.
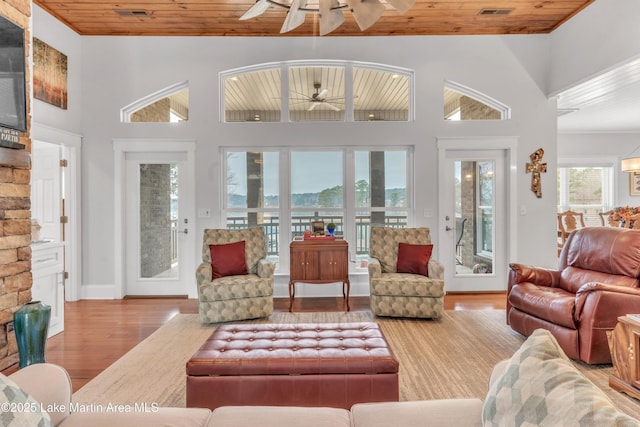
13,94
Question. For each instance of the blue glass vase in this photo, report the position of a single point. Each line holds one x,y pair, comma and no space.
31,324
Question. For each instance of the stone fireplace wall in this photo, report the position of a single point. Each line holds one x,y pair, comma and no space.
15,211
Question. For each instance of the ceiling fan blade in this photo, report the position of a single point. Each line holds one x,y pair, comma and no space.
312,106
366,12
295,16
256,10
304,95
330,17
333,107
322,95
401,5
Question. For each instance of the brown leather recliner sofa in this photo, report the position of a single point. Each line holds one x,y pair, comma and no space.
595,283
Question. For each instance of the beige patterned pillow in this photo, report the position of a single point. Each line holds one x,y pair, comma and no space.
541,387
17,408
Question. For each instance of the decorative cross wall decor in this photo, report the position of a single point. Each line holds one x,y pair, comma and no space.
536,167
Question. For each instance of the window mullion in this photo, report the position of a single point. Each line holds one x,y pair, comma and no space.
284,93
350,200
285,209
348,92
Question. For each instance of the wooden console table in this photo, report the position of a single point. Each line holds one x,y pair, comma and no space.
319,261
624,343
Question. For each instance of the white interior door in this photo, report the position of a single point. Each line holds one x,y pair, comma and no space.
48,249
46,189
158,227
474,220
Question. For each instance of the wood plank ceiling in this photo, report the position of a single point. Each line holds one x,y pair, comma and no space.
220,18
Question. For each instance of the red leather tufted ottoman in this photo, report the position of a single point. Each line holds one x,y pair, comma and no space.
314,364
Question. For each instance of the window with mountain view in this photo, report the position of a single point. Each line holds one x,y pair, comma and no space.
252,184
317,189
378,193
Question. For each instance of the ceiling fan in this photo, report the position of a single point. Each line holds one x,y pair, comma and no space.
319,97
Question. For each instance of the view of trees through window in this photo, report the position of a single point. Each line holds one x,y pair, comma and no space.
318,192
585,189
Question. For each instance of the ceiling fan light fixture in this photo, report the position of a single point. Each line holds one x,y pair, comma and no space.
330,15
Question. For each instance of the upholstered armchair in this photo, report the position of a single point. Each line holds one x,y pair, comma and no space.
404,281
595,283
235,281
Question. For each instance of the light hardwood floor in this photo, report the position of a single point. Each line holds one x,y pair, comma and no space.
98,332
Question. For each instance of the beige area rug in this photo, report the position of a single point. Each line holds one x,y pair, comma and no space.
439,359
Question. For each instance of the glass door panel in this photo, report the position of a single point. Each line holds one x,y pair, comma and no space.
474,243
157,228
474,205
158,194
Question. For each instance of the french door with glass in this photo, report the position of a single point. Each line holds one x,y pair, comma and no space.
474,225
157,227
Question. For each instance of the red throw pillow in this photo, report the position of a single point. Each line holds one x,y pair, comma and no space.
414,258
228,259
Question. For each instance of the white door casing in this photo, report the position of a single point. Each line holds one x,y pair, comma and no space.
129,155
500,152
59,254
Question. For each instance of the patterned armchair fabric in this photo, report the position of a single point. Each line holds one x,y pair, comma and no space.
241,297
401,294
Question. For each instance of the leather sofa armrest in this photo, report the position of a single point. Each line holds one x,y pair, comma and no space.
266,269
50,385
610,301
520,273
375,268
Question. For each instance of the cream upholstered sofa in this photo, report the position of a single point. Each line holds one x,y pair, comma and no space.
247,295
538,386
400,294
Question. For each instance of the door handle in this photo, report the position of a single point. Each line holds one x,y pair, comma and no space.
185,231
447,228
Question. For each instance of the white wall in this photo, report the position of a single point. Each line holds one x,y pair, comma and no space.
603,35
63,39
119,70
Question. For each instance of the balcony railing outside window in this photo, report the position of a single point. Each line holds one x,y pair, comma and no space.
301,223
